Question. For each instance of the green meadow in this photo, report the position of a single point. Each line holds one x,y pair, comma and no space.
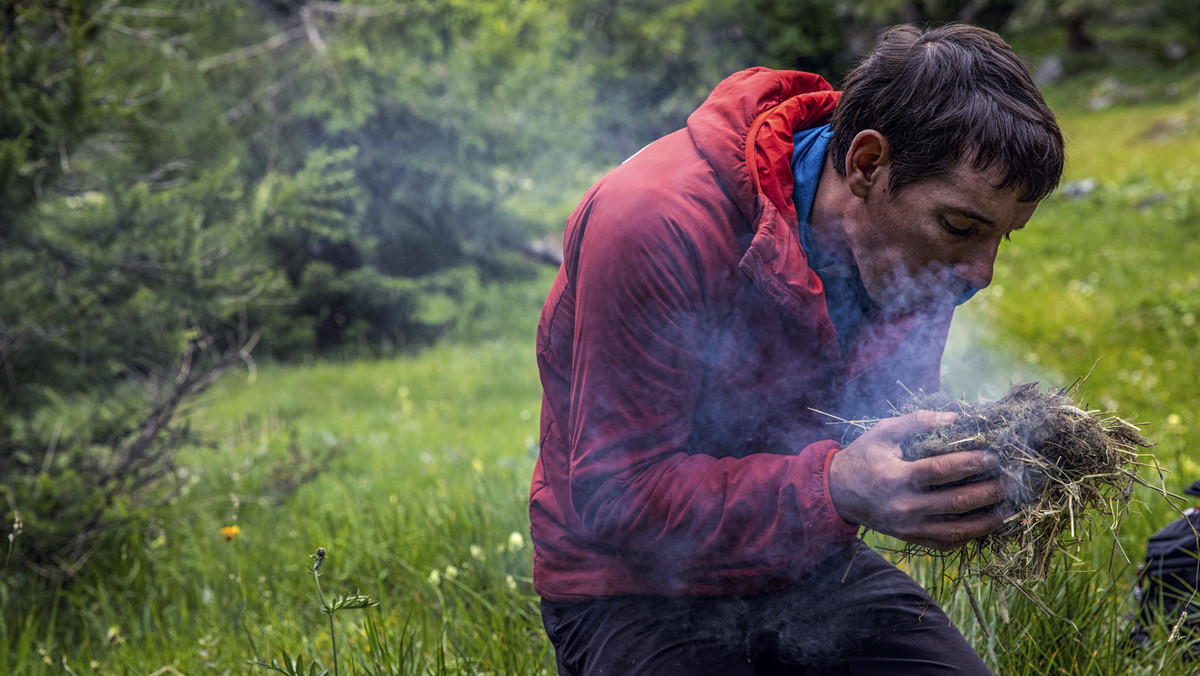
412,472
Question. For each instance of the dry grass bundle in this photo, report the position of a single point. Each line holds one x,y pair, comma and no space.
1072,465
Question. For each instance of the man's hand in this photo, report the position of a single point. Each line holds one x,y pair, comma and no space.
872,485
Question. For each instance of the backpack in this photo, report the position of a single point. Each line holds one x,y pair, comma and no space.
1167,582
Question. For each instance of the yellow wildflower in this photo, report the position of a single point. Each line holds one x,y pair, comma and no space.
230,532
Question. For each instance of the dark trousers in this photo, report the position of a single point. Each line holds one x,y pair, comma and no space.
877,621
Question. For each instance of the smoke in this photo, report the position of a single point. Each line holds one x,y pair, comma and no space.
932,285
982,358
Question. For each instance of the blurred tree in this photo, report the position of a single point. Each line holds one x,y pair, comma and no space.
133,245
811,36
1097,33
991,14
115,275
1092,33
652,63
1075,17
178,180
1179,20
448,110
41,66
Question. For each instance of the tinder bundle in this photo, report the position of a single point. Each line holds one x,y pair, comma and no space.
1071,465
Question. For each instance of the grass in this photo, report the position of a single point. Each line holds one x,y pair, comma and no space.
413,472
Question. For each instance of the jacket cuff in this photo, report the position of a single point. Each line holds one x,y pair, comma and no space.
834,517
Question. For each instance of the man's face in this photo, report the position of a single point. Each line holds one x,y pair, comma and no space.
923,245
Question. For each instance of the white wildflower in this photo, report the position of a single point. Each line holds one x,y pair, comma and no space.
516,542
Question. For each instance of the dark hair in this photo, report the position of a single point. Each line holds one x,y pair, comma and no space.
947,93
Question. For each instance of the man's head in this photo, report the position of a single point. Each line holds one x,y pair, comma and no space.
946,146
949,94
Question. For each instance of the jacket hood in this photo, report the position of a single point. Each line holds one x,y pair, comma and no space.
745,127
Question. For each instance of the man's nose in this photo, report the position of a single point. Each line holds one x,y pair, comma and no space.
977,269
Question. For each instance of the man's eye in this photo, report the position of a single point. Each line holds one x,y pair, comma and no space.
954,230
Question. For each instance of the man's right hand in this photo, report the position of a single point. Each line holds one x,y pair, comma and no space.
872,485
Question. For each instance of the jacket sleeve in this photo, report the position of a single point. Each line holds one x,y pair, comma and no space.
643,323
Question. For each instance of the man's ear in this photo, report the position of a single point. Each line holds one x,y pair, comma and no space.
868,162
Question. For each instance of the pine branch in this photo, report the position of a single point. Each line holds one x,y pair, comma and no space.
253,51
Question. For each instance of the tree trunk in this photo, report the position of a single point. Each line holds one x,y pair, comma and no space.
1078,39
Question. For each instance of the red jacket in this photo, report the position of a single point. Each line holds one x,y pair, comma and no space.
683,349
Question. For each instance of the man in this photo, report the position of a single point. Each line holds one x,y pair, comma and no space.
725,295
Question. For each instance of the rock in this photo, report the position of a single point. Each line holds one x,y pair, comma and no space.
1049,71
1077,189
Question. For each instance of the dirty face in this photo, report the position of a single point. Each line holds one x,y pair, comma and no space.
930,242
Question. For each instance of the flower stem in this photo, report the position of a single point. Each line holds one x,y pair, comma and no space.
325,607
